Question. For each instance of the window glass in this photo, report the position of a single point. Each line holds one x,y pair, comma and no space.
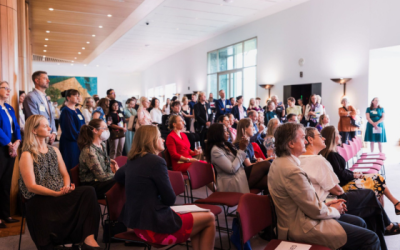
250,53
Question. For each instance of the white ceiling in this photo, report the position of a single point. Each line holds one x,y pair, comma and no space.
177,24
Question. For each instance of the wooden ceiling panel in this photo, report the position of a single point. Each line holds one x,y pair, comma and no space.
72,23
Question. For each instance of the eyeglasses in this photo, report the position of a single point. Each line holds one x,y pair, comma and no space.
6,88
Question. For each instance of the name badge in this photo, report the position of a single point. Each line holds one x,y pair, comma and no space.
120,115
42,108
374,112
209,111
80,117
121,109
228,106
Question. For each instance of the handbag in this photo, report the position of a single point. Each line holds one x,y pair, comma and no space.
354,122
116,134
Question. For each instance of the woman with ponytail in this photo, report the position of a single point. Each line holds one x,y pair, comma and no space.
71,121
96,169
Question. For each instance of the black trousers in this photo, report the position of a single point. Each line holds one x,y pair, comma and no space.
364,204
6,171
347,136
358,236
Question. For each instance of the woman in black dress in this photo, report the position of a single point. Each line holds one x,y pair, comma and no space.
56,212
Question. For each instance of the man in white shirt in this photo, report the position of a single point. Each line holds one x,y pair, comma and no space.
36,102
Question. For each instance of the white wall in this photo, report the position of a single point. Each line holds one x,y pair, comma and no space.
384,78
125,85
333,36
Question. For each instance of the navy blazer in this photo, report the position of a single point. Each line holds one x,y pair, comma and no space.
149,195
219,106
236,114
5,126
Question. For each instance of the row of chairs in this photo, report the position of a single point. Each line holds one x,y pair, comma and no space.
369,163
255,212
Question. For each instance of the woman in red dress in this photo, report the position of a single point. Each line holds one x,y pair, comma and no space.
178,145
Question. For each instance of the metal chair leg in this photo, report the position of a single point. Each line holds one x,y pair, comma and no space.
219,232
20,232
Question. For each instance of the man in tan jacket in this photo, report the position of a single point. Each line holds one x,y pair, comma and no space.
301,215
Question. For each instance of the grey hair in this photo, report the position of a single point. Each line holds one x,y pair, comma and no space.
310,132
344,99
283,135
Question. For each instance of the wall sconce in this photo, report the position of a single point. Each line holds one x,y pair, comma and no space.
342,81
177,94
267,86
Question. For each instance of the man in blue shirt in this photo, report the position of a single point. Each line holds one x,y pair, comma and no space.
192,103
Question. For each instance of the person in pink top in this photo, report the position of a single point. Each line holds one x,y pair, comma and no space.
143,115
178,145
230,128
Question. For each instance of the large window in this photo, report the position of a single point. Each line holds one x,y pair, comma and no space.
170,90
233,69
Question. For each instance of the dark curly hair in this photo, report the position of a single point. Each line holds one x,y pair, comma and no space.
215,137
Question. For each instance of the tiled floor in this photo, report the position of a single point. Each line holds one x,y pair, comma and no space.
393,242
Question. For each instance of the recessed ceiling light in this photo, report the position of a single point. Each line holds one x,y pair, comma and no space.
45,45
100,27
87,42
47,31
51,9
93,35
44,56
79,53
83,47
75,57
46,39
44,50
109,15
49,21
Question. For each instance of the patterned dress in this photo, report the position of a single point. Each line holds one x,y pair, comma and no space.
46,173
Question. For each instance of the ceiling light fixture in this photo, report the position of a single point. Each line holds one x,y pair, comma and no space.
46,39
75,57
51,9
83,47
109,15
44,50
79,53
93,35
45,45
47,31
49,21
88,42
100,27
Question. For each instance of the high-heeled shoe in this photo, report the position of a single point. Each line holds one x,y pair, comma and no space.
397,211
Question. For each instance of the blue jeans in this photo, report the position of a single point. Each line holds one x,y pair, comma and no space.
358,236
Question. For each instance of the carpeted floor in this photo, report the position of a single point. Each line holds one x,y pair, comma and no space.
393,242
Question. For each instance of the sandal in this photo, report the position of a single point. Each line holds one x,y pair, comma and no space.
394,230
396,210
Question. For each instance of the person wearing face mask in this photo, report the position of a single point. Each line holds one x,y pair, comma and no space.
96,169
71,121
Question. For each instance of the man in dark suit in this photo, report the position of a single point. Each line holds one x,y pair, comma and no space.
222,106
259,135
203,117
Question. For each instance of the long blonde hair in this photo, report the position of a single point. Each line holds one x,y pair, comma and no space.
242,125
270,125
30,142
142,99
144,141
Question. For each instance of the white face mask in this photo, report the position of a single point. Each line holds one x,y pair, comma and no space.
105,135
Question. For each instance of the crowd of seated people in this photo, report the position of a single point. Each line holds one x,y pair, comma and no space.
249,148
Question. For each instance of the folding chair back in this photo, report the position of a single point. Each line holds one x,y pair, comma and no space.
255,214
349,151
343,153
167,158
121,160
353,148
177,182
200,174
115,198
75,175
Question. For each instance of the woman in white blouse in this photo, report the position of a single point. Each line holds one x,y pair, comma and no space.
87,109
156,113
167,107
143,115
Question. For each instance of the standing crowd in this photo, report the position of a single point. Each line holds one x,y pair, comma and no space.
253,147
